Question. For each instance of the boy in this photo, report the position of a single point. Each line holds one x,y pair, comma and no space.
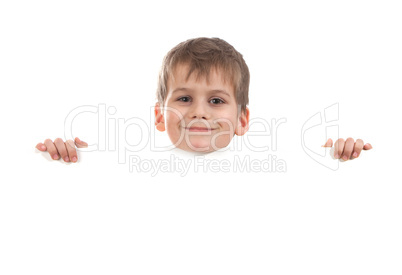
202,101
203,95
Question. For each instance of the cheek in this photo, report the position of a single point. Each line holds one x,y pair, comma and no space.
227,121
173,117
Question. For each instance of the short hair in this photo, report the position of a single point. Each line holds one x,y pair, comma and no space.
203,54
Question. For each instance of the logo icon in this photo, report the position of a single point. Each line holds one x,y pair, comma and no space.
317,129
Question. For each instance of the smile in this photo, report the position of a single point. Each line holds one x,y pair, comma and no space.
199,129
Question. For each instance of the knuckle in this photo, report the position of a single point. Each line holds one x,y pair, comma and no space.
341,140
359,140
350,139
48,140
69,144
58,140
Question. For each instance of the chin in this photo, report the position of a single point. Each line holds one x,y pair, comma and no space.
201,147
201,144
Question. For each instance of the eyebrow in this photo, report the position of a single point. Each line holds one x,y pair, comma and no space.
214,90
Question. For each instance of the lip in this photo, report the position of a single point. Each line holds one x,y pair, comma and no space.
199,129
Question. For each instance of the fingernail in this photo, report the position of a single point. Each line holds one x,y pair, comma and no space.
355,154
74,159
345,158
55,156
336,156
66,159
43,147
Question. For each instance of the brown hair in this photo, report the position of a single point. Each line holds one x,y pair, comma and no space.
202,54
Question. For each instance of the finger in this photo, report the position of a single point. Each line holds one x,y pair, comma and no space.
328,143
61,148
51,149
72,153
358,148
347,151
367,146
41,147
80,144
339,144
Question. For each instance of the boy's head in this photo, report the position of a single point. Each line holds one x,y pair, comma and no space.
203,95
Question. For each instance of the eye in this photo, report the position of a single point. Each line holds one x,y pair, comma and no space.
184,99
216,101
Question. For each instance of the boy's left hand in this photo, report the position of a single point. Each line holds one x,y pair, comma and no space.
348,149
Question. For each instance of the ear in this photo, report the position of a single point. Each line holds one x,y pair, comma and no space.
242,125
159,119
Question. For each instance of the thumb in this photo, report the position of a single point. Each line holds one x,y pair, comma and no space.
79,143
367,146
328,143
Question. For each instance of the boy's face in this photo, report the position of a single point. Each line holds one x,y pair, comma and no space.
198,116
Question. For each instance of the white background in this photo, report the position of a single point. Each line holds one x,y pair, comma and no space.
97,217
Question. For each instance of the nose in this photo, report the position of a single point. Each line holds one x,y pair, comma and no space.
198,111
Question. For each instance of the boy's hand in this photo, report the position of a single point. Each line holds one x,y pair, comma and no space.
60,148
348,149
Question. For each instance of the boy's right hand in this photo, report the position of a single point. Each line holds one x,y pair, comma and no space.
60,148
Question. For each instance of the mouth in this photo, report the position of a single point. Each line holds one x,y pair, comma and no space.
199,129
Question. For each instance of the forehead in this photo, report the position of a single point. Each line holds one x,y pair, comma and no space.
215,76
